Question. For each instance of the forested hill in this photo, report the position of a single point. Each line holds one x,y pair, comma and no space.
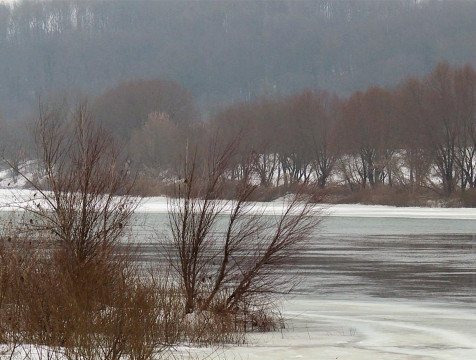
225,50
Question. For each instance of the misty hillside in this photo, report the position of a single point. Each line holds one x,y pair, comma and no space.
223,51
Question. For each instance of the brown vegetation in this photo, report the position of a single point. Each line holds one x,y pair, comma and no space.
67,289
69,285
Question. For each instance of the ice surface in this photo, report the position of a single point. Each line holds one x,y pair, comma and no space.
363,330
424,325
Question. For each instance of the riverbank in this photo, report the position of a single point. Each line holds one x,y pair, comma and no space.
159,205
11,198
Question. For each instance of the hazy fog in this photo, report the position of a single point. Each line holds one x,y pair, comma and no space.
224,51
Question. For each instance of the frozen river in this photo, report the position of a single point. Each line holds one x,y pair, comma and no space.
376,283
372,287
349,257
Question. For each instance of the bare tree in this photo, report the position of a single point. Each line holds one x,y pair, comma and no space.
409,100
465,97
126,107
75,201
441,124
315,114
154,146
77,289
227,253
368,129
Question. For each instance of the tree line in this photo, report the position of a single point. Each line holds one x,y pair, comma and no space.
420,133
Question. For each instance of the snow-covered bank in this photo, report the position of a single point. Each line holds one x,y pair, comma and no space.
159,205
380,211
363,330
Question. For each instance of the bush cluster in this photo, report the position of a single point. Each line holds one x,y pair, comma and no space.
70,285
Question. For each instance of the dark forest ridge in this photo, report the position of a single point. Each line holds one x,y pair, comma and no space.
224,51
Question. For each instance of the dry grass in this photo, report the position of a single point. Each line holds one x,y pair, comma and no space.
105,312
110,310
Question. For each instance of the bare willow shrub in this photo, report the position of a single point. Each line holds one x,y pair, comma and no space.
69,280
228,255
77,197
